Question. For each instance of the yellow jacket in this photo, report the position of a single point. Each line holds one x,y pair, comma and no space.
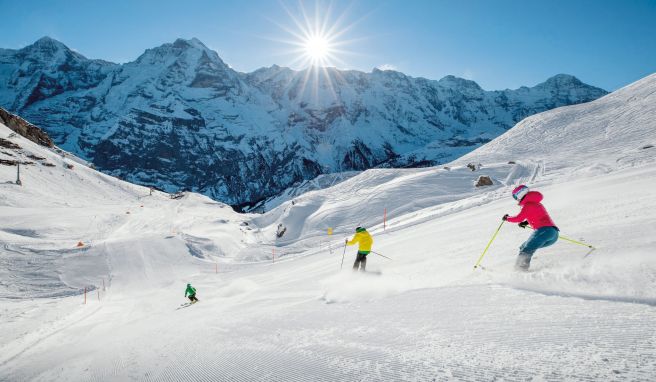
365,240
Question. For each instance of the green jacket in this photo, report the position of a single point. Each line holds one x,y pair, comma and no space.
190,291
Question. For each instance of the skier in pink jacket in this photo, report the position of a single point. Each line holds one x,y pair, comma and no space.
533,213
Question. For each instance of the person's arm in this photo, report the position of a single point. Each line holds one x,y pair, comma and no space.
356,238
519,218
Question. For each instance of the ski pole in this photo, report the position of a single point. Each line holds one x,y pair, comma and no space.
579,243
343,253
574,241
381,255
488,244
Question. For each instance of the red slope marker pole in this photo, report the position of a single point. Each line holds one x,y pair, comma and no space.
85,295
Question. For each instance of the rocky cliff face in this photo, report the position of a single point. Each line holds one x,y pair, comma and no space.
180,118
24,128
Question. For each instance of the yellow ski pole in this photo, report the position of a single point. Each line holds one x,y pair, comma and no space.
488,244
579,243
575,242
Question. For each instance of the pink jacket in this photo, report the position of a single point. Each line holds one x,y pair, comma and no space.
533,211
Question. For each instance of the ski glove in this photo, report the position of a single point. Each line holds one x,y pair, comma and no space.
505,217
523,224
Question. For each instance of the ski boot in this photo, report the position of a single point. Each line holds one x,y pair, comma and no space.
523,261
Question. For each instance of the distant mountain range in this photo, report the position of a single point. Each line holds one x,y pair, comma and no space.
179,118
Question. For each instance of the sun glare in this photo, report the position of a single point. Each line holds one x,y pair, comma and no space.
317,48
317,37
317,41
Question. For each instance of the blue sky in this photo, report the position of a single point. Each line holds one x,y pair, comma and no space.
499,44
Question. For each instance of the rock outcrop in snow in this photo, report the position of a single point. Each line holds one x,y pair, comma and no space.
178,117
24,128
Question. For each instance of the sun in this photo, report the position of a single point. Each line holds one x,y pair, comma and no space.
317,49
317,41
317,38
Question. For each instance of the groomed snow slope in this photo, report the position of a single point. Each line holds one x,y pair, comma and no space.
429,316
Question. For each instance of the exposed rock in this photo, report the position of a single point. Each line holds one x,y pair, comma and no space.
281,230
8,144
177,195
483,180
25,128
10,162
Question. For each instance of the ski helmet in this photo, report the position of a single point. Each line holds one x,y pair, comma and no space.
360,229
520,192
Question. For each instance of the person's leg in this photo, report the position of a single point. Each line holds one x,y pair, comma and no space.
550,238
356,265
540,238
363,263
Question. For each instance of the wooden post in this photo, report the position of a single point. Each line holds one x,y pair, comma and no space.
216,268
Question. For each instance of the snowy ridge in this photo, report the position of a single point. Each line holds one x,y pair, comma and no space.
613,130
179,118
427,316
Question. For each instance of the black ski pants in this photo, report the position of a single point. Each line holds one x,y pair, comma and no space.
360,261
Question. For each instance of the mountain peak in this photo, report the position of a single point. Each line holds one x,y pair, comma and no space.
47,44
453,81
48,41
193,43
563,79
568,83
48,49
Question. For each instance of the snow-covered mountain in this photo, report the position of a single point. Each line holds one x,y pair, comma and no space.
425,315
179,117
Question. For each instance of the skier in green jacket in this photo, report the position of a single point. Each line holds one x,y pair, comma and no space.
191,291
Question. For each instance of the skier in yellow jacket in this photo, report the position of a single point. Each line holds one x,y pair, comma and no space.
364,247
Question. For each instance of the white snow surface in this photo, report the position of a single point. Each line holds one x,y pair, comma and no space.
280,309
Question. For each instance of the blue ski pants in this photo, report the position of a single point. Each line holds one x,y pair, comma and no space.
540,238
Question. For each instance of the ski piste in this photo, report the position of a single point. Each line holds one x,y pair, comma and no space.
427,317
